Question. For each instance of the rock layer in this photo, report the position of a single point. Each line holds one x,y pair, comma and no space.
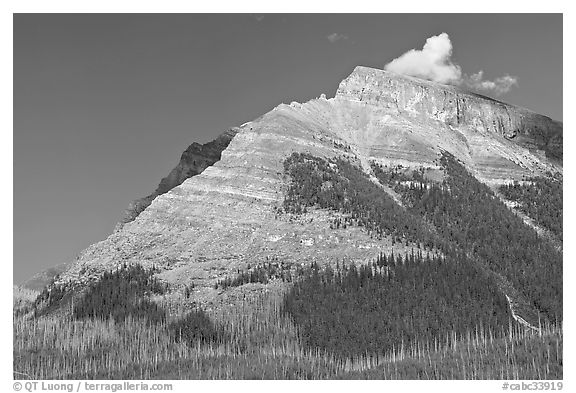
455,107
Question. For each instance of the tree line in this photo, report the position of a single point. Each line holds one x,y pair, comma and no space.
395,300
120,294
540,198
341,186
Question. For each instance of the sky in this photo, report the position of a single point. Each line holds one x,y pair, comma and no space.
105,104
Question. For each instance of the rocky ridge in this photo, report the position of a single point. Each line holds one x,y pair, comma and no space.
193,161
454,107
407,120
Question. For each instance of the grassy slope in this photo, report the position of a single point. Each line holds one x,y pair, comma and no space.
23,299
521,355
50,349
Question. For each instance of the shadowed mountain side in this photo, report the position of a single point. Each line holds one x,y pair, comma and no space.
194,160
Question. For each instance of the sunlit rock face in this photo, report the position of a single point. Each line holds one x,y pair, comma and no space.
409,119
204,227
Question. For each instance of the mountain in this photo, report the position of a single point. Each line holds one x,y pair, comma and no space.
222,218
40,280
377,115
400,212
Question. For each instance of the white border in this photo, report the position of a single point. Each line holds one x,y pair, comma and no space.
418,6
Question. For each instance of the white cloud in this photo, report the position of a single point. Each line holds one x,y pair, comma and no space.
498,86
335,37
434,62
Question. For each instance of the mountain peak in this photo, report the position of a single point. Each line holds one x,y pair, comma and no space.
384,74
378,77
415,98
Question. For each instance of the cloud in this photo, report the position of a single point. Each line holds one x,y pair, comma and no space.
434,62
498,86
335,37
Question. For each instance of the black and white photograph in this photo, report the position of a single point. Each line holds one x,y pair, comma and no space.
286,196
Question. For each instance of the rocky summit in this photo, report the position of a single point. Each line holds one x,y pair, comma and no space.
217,211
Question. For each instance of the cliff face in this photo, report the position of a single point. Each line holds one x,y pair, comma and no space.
202,227
396,119
454,107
